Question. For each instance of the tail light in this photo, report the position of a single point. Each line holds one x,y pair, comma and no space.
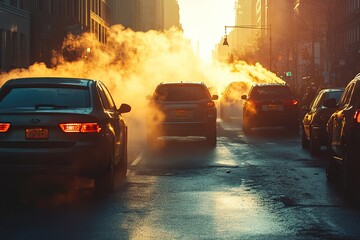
291,102
357,116
4,127
210,104
80,127
254,103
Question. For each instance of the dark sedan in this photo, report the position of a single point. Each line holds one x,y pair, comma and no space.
313,134
62,126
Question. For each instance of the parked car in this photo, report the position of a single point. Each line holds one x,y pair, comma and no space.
270,105
230,102
343,130
182,109
62,126
313,131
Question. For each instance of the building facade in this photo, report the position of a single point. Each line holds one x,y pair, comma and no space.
145,15
14,35
53,20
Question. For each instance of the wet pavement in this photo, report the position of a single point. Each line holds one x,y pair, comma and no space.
262,186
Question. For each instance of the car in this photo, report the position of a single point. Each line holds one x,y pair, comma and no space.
230,102
343,129
270,105
313,131
60,126
182,109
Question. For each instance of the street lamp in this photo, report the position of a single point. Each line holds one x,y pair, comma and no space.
265,27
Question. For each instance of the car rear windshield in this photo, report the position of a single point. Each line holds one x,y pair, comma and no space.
181,93
46,97
266,92
335,95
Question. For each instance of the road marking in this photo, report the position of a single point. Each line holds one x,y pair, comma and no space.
138,158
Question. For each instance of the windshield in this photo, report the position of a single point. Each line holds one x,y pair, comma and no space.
181,93
46,97
267,92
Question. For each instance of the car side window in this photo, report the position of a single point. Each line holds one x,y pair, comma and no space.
109,98
345,96
103,98
349,94
316,102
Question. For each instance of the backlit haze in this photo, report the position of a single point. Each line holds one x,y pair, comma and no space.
132,64
204,23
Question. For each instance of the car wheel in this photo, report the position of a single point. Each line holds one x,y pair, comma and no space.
246,127
348,174
211,136
123,159
331,167
314,145
104,182
304,140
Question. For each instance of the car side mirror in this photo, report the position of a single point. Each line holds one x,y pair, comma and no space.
214,97
330,103
243,97
124,108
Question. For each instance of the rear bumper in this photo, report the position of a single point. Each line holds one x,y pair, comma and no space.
270,119
88,159
185,128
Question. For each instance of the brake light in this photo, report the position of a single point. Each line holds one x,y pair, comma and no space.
4,127
291,102
211,104
357,116
80,127
254,103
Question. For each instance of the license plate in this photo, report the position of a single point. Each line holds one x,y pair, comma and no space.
37,133
181,113
273,107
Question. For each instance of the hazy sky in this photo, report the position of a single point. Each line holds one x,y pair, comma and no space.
204,22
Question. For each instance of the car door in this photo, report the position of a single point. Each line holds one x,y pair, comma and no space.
115,120
311,113
339,117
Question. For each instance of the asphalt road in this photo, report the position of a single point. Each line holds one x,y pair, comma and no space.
262,186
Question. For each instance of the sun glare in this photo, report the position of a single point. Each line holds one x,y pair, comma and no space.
204,23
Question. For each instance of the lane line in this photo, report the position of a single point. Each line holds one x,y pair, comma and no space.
138,158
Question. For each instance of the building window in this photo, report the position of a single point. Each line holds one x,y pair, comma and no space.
13,3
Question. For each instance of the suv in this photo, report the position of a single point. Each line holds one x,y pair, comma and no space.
270,105
62,126
182,109
343,130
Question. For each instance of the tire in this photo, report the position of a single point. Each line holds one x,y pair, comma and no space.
123,163
211,136
104,182
348,174
331,166
304,140
314,145
246,127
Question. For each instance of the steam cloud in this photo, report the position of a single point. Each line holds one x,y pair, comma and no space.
132,64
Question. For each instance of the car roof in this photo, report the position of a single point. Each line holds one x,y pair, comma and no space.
332,90
270,84
183,83
81,82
